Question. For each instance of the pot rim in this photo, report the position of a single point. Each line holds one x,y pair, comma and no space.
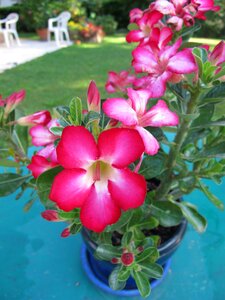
163,248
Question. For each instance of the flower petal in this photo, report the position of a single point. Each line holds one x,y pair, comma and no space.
99,209
160,115
120,146
182,63
41,136
144,61
70,189
120,109
77,148
128,189
139,100
135,36
150,142
39,165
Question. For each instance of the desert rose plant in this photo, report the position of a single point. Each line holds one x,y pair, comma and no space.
120,167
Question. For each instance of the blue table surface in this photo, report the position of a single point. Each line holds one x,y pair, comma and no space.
37,264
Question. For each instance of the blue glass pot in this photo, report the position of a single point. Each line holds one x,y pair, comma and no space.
98,271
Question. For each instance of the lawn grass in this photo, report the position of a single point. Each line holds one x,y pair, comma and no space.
56,78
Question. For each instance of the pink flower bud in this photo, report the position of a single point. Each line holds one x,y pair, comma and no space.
13,100
50,215
39,118
2,102
65,233
217,56
127,259
93,98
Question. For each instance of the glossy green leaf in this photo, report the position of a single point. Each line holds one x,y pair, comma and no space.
193,216
114,281
56,130
10,182
75,228
142,283
150,253
217,202
127,238
76,111
215,151
124,274
152,270
152,166
167,213
107,252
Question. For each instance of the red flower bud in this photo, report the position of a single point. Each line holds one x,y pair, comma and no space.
50,215
65,233
127,259
114,260
140,249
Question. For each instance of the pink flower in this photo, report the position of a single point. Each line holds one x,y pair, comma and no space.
217,57
96,177
161,65
39,165
146,24
41,118
13,100
133,113
49,152
41,135
203,6
93,98
2,101
119,81
135,15
50,215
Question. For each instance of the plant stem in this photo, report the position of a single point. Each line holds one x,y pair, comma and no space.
180,137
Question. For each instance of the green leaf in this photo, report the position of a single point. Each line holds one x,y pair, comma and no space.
137,214
75,228
216,151
9,163
152,166
22,137
192,215
10,182
124,274
68,215
217,92
188,32
201,57
142,283
150,253
44,183
56,130
127,238
124,219
167,213
148,224
91,117
107,252
64,113
152,270
219,204
205,116
76,111
114,281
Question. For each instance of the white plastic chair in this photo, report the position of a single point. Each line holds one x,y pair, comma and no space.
59,27
9,30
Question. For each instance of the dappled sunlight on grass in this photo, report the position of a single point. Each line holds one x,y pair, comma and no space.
211,42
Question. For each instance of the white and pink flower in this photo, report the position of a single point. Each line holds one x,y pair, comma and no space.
96,177
119,82
146,23
163,63
133,113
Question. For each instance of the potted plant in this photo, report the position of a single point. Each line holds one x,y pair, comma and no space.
118,171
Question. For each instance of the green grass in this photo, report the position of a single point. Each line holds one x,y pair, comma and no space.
56,78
